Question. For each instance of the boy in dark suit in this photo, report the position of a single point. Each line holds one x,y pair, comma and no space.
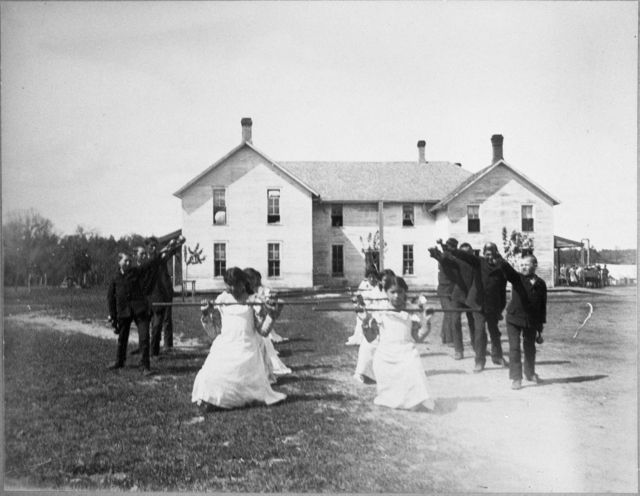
526,315
128,303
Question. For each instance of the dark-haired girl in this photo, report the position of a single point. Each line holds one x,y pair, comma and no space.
400,378
235,373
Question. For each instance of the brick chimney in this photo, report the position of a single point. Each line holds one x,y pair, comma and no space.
421,145
246,129
496,143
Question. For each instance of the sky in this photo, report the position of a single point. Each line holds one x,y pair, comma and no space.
109,108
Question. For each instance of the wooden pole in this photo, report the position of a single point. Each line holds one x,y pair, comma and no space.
381,231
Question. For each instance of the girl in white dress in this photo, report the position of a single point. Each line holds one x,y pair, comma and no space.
365,289
400,377
372,298
277,367
235,372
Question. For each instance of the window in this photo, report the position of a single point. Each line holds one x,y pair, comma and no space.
473,218
219,207
219,259
337,261
336,215
407,260
273,206
527,218
273,259
407,215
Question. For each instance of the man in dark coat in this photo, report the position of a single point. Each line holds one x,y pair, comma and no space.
526,315
160,292
464,280
449,292
488,297
128,303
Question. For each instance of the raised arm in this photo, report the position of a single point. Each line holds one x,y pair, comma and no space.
469,258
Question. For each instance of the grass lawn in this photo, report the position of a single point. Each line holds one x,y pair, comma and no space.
69,423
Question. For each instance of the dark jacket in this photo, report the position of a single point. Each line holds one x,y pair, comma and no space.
462,273
488,291
528,305
126,296
447,274
162,287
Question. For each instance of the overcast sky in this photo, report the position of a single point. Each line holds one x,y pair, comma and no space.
109,108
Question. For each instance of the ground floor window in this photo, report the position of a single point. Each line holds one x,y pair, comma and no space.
273,260
407,260
337,261
219,259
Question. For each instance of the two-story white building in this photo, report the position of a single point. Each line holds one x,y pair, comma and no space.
304,224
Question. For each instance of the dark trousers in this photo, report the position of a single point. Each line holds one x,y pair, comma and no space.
161,320
480,337
529,346
451,324
471,324
470,321
124,326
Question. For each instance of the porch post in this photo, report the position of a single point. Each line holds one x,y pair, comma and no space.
381,231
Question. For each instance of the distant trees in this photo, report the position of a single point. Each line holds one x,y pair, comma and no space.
35,255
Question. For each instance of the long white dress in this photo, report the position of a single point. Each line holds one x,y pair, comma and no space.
400,377
373,298
235,373
277,366
365,289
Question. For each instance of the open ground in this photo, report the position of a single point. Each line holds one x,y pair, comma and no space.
71,424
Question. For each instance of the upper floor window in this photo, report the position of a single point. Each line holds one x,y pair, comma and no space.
219,207
336,215
273,206
473,218
527,218
407,216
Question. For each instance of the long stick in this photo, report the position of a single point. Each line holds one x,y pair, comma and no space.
255,303
585,321
438,310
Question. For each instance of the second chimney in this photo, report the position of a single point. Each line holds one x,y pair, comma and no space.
421,145
246,129
496,143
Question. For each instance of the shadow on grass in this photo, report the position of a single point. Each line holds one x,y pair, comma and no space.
445,406
184,356
339,397
297,368
435,353
430,373
297,339
567,380
285,353
552,362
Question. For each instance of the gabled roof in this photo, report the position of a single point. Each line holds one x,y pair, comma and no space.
181,191
471,180
379,181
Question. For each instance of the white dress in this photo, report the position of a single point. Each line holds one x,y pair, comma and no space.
374,298
400,377
235,372
277,367
366,290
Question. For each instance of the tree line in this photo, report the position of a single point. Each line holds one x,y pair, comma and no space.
34,254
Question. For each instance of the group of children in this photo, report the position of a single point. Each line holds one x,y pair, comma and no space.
242,363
